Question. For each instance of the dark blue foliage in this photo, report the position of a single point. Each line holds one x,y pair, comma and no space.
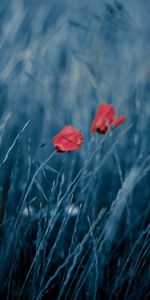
75,225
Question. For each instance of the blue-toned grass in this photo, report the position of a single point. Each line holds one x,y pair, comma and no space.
74,225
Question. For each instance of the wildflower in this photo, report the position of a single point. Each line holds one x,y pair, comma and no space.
68,139
106,118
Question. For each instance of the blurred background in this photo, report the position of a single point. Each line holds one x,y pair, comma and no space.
76,227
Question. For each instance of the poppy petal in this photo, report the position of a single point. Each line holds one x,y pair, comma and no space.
69,139
106,118
120,120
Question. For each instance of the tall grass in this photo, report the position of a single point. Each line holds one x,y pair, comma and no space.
74,225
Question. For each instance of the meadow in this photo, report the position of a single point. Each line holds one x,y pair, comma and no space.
74,226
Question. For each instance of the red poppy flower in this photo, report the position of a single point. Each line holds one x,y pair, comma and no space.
68,139
106,118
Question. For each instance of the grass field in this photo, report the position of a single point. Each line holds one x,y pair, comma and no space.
74,226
